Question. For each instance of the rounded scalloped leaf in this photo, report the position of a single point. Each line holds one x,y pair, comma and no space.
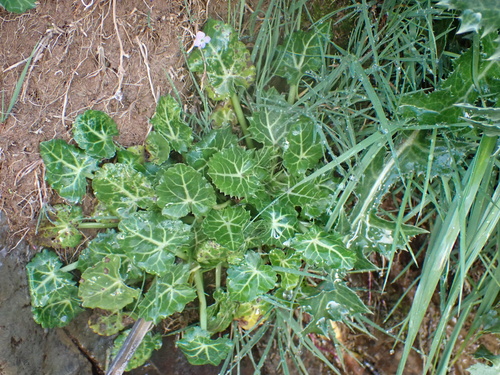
168,294
67,168
121,188
102,286
322,248
303,148
227,226
250,279
200,349
182,190
167,122
233,171
94,131
224,61
152,241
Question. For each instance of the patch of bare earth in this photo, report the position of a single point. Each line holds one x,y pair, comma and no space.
114,56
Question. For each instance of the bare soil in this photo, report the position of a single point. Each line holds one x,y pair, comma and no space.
114,56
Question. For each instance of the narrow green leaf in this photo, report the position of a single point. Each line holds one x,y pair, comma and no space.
122,189
101,286
200,349
168,294
224,62
67,168
167,122
182,190
251,279
94,131
152,241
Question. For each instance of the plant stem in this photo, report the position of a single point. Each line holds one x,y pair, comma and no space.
198,279
97,225
292,94
70,267
235,101
218,275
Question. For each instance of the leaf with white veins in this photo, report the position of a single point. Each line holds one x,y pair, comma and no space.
250,279
67,168
152,241
101,286
182,190
168,294
94,131
167,122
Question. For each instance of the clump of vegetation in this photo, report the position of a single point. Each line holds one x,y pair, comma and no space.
257,219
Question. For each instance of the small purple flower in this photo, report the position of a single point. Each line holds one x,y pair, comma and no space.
201,39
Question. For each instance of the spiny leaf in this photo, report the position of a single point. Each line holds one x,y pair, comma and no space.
122,189
322,248
168,294
45,277
271,120
167,122
152,241
303,148
383,235
486,119
199,349
67,168
233,172
182,190
94,131
101,286
477,15
227,226
302,52
251,279
334,302
459,87
225,61
143,352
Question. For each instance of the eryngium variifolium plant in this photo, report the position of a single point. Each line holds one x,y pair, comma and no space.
231,221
